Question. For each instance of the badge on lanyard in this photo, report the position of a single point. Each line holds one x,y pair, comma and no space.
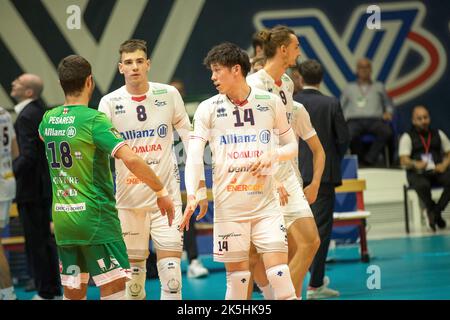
427,157
361,102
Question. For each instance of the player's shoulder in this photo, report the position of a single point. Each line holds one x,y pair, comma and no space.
261,95
114,96
297,106
212,103
157,88
4,114
256,78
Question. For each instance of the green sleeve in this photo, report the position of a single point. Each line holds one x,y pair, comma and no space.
106,137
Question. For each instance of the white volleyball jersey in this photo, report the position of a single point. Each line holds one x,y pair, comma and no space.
285,90
7,181
237,136
146,123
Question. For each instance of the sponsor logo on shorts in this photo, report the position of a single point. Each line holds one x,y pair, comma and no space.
229,235
114,264
75,207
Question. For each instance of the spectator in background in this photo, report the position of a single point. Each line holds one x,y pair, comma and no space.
196,268
33,194
257,44
9,152
297,79
367,109
425,153
327,118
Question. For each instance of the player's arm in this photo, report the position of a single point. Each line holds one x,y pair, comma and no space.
304,129
194,169
183,126
143,172
288,149
193,172
316,148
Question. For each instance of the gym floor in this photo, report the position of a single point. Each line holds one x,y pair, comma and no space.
403,269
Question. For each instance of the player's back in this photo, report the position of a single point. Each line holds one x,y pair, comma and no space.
7,181
78,159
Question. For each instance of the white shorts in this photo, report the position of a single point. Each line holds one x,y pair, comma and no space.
4,213
232,239
297,206
139,224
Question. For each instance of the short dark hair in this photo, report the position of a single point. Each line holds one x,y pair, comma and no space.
228,54
133,45
73,71
311,71
257,41
275,38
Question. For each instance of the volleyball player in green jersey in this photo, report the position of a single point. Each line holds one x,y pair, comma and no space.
78,143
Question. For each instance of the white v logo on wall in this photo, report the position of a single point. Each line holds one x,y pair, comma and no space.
32,57
400,33
103,55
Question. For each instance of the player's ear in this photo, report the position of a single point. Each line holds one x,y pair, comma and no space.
120,67
149,64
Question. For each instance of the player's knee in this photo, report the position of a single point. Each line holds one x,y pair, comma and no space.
169,272
280,280
135,288
237,285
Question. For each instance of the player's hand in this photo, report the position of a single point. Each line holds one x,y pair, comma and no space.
203,209
420,165
263,165
282,194
311,192
165,205
440,168
188,212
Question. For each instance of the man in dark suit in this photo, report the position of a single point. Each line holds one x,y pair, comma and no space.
33,194
328,120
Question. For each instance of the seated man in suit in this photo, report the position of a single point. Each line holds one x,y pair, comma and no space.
367,108
425,153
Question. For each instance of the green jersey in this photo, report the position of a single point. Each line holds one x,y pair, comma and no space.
78,142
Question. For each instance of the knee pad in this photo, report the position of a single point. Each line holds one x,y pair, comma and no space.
135,288
280,280
237,285
169,272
